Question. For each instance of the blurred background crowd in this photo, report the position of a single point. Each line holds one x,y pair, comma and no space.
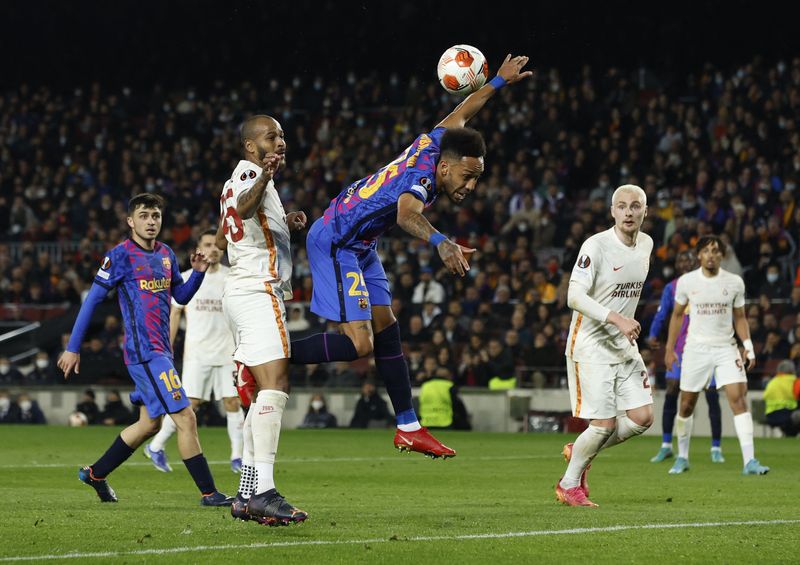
715,146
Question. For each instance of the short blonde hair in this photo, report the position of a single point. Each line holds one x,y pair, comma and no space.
630,188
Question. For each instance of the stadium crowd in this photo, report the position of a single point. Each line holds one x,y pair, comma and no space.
718,153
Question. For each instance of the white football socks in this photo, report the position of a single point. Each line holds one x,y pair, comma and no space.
160,439
267,413
235,423
744,429
247,477
583,451
623,431
683,431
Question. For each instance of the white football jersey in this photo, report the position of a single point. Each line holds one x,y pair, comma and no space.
713,300
208,337
613,274
258,247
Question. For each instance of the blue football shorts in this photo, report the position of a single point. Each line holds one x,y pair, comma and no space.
158,387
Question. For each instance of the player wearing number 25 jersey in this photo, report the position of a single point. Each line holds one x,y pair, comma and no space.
350,285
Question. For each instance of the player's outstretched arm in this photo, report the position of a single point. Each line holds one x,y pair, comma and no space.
296,220
508,73
410,218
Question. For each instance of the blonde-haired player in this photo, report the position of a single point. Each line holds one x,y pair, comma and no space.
717,298
606,372
256,232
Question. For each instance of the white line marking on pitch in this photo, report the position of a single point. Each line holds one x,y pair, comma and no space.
534,533
289,460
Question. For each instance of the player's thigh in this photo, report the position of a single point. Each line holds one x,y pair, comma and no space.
591,390
223,379
158,387
197,378
697,368
728,367
633,385
259,322
272,375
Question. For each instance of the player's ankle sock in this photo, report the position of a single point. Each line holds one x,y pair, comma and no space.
323,348
198,469
744,430
714,416
407,421
267,413
623,431
160,439
235,424
668,417
583,451
114,456
392,368
247,478
683,429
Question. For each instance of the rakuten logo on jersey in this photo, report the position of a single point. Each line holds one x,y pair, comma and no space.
155,285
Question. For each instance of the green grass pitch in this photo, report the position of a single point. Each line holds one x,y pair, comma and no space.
369,504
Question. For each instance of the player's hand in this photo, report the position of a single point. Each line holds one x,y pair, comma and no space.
269,165
670,358
69,362
628,326
750,360
199,261
511,69
652,342
296,220
453,257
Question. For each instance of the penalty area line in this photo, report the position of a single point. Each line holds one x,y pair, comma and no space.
461,537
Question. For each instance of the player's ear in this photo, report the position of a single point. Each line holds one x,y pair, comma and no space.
130,222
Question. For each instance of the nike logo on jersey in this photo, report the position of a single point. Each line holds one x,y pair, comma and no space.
618,268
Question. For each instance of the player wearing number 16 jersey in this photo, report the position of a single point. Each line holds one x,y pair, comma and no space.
145,274
350,285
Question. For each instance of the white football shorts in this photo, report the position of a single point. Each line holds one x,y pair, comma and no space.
200,380
701,362
598,391
258,323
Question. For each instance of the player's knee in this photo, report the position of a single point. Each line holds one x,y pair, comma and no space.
150,427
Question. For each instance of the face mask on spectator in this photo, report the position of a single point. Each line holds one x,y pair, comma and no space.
790,186
317,405
25,405
772,277
4,369
667,271
5,403
762,200
42,363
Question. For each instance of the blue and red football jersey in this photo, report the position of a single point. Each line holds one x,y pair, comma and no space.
144,281
368,208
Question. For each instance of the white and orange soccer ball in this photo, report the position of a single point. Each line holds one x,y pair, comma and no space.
78,419
462,69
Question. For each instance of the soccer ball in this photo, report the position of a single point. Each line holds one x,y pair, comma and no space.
462,70
78,419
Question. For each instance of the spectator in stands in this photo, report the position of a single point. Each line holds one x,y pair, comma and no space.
9,410
774,284
88,406
317,416
9,373
343,376
775,346
428,289
44,371
497,366
115,413
371,410
440,405
29,411
781,396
